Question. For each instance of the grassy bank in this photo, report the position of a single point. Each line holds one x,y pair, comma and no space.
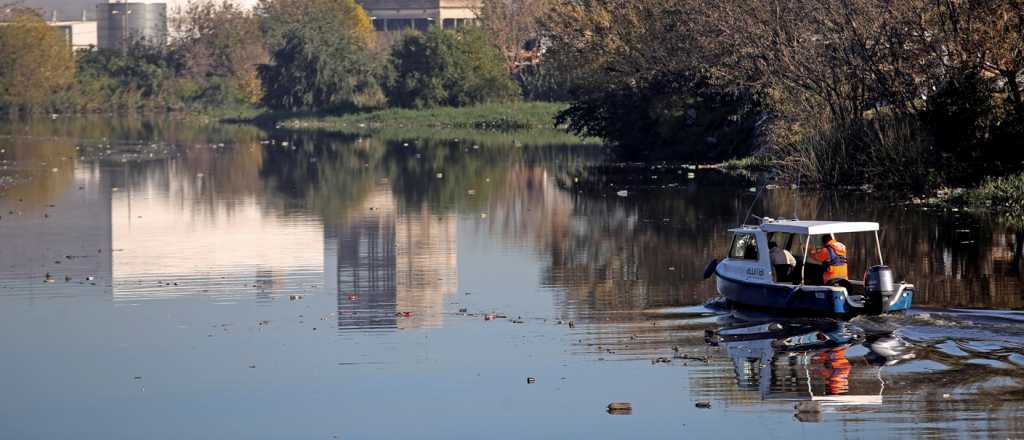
516,123
488,117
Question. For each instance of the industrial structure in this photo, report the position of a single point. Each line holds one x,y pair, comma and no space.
120,24
399,15
77,34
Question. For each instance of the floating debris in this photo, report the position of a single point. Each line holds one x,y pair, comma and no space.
620,408
622,193
807,407
704,404
531,380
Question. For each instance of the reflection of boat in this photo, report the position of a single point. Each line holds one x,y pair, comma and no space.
801,361
747,276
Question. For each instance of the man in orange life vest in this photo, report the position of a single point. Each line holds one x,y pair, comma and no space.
832,258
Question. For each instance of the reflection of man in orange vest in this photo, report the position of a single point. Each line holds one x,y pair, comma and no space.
832,257
835,369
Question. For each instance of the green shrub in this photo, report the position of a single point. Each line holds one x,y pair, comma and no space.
446,68
324,60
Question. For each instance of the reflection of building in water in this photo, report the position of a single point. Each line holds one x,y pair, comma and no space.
365,268
183,222
394,268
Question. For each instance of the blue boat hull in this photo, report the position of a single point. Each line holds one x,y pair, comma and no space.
797,298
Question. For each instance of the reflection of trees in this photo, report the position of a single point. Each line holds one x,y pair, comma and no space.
334,173
105,129
650,249
30,163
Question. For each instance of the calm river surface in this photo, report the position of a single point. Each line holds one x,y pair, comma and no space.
164,279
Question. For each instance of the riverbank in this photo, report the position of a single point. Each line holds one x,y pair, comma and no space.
521,122
489,117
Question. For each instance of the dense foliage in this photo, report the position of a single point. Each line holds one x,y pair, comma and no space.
324,60
837,92
438,68
221,44
36,62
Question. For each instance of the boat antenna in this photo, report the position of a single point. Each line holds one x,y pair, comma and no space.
752,204
796,200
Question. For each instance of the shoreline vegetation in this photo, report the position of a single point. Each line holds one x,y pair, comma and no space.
907,98
517,123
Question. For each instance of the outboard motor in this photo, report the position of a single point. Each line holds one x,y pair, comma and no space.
879,288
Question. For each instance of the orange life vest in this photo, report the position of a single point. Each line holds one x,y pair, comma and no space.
833,258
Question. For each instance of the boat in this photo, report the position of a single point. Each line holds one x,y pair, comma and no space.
746,276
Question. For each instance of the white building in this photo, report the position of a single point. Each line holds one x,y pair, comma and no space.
78,34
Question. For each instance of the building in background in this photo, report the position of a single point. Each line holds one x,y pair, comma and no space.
399,15
121,23
78,34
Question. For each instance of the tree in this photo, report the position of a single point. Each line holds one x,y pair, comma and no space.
141,77
987,36
37,62
279,18
453,68
323,59
514,25
220,42
640,77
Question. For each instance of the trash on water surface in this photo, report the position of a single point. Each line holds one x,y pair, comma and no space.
530,380
620,408
704,404
807,407
622,193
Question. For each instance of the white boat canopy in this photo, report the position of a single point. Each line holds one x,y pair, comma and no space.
806,227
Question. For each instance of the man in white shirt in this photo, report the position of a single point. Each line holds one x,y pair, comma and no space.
782,261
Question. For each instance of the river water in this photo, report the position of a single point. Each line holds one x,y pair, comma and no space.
168,279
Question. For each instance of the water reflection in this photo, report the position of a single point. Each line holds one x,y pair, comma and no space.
803,361
394,266
381,234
